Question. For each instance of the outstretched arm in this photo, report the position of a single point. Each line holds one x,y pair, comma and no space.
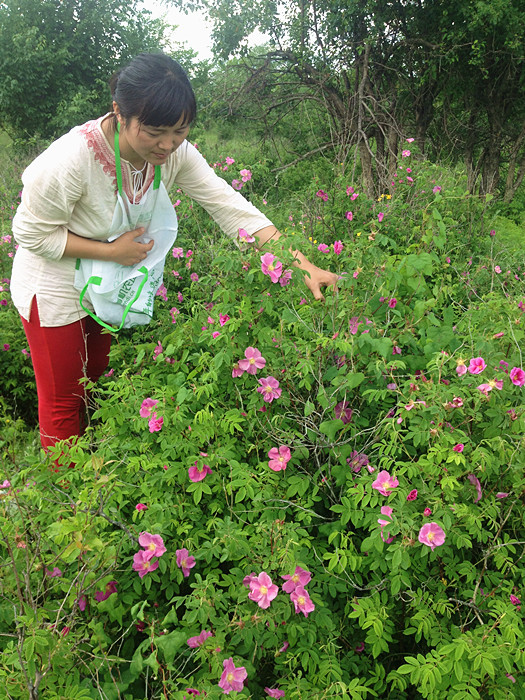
316,277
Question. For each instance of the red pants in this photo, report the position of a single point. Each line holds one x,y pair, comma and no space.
61,356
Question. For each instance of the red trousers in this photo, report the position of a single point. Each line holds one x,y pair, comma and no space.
62,356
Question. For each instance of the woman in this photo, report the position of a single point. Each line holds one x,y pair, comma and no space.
68,204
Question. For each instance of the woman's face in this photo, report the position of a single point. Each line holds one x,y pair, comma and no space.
154,144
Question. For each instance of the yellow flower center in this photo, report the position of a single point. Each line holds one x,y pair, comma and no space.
430,536
271,267
229,677
295,578
263,590
301,600
252,361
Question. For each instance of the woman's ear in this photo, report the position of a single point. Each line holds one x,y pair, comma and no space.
116,110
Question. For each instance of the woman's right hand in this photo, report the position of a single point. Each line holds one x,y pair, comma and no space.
126,250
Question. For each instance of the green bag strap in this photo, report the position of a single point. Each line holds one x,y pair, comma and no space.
97,280
118,165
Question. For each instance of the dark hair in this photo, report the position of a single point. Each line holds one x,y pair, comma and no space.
154,88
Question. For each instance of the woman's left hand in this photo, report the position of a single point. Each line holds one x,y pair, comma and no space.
317,278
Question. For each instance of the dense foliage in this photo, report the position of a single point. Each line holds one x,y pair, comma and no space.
372,73
56,58
364,455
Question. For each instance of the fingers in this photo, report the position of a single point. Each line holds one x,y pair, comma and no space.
328,279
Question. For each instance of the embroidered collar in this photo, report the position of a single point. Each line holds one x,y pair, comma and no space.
104,154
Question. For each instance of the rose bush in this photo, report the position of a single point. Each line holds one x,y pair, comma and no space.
270,499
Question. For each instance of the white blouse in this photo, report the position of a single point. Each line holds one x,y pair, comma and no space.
72,186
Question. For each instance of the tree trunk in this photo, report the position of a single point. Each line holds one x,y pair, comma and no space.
490,173
366,167
514,179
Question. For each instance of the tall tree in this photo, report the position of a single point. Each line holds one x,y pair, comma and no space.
449,74
57,55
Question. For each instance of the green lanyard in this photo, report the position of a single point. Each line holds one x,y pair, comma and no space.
118,165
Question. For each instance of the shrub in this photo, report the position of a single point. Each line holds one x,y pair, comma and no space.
366,453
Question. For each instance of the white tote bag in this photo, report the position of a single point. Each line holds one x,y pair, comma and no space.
124,296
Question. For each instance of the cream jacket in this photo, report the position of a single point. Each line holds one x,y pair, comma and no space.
72,186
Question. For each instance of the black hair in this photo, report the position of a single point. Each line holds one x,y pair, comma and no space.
154,88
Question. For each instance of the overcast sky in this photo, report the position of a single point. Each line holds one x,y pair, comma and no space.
193,28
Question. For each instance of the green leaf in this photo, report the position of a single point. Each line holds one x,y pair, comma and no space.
331,427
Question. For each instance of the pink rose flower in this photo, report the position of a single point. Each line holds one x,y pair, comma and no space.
461,369
262,590
147,406
237,371
143,563
155,424
459,447
152,544
184,561
432,535
302,601
252,362
248,578
300,577
111,587
279,458
245,237
475,482
197,474
476,365
271,266
141,506
343,411
427,512
285,278
232,677
195,642
517,376
274,692
412,495
385,483
386,511
269,389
